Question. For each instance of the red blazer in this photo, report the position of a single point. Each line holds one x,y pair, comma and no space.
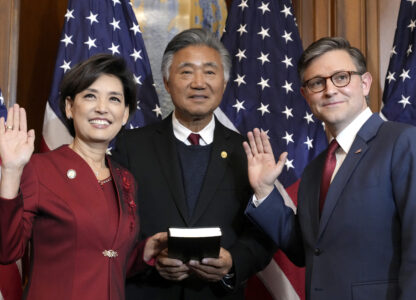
64,218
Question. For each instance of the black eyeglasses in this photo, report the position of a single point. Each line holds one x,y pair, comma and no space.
339,79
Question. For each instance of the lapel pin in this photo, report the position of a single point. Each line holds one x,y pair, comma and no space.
224,154
71,173
358,151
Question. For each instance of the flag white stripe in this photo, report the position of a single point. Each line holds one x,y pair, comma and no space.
276,282
54,132
222,117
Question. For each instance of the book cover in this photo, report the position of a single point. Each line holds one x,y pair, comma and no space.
194,243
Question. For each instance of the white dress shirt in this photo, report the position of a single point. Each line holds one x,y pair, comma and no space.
347,136
182,133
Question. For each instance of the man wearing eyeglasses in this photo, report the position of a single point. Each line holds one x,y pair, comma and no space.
355,225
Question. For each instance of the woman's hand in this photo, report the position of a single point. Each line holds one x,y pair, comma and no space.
16,148
154,245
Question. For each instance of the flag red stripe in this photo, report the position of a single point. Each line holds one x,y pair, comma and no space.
43,147
256,290
293,192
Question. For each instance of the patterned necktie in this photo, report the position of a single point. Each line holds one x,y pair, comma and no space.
329,168
193,138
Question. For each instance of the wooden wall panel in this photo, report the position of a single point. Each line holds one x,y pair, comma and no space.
41,24
350,22
9,44
356,20
373,52
314,18
324,23
303,12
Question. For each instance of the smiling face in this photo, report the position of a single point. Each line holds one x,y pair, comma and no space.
337,107
99,111
196,83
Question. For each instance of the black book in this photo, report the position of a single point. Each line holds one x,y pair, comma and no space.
194,243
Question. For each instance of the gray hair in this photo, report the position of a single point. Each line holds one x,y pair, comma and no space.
195,37
326,44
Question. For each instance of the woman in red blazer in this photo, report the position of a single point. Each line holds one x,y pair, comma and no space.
75,205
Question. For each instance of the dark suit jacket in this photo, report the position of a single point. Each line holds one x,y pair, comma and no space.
364,244
150,154
66,221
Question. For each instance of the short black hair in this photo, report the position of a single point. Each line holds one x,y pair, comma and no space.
87,72
326,44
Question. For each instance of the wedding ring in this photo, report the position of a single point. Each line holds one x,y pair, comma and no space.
9,127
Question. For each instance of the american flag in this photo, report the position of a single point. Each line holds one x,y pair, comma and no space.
3,108
399,97
100,26
10,278
264,91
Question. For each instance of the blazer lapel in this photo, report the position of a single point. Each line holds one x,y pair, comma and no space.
125,188
215,172
83,186
165,148
356,152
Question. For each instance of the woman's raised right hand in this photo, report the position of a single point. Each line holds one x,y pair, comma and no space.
16,148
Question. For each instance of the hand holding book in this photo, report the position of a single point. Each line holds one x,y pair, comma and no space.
213,269
194,243
199,250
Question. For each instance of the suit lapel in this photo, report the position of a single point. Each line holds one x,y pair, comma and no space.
356,152
165,148
313,192
215,172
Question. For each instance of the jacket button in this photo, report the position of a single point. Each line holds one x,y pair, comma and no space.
317,251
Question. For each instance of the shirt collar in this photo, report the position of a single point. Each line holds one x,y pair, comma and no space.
182,133
347,136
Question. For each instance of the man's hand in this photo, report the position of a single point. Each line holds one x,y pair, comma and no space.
212,269
262,167
171,269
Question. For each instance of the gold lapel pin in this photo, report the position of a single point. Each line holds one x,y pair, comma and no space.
358,151
71,173
224,154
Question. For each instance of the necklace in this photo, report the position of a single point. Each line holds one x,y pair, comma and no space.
102,182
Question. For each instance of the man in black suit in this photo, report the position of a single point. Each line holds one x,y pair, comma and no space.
192,172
